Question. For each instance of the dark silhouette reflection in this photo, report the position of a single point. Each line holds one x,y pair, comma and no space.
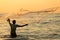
18,38
13,26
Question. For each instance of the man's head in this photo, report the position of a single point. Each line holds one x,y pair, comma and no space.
14,21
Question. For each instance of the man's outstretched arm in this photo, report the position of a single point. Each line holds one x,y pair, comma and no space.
24,25
21,25
8,20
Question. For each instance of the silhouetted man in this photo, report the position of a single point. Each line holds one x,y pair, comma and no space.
13,26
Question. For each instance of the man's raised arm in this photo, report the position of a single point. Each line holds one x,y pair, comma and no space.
8,20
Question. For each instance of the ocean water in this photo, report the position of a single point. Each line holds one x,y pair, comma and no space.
41,26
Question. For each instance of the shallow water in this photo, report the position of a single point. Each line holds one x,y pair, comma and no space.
42,26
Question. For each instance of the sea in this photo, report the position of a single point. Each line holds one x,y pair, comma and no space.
41,26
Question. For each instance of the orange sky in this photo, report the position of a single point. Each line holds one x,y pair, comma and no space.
13,6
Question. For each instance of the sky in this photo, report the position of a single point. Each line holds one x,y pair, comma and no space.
14,6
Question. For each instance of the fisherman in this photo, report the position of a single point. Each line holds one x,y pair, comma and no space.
13,26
